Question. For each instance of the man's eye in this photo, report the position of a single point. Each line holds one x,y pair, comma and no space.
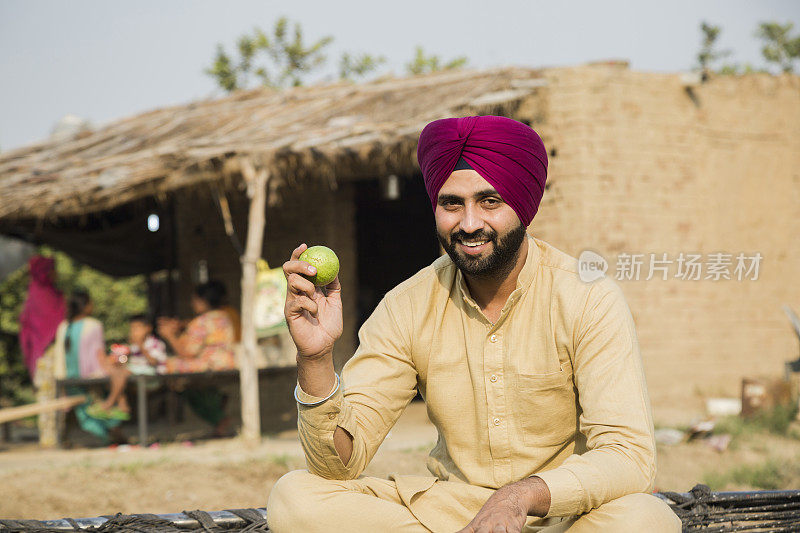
491,202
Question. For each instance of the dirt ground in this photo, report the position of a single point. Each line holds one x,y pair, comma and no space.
223,474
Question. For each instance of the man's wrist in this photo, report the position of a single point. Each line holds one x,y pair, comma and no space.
318,359
316,377
537,495
303,398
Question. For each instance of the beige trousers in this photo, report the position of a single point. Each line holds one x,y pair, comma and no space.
301,501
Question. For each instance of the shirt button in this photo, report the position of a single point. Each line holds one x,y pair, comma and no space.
331,416
493,338
493,378
496,421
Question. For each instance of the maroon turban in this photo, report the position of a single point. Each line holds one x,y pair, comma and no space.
506,153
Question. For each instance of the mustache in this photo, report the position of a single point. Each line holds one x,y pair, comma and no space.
461,236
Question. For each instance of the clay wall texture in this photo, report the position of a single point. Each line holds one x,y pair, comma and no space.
642,165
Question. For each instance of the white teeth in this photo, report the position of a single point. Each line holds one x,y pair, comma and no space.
474,244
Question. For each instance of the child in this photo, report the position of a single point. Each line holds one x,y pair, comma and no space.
148,354
144,354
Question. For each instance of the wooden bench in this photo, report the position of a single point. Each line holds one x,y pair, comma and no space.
23,411
141,383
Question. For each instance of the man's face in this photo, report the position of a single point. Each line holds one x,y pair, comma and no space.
477,229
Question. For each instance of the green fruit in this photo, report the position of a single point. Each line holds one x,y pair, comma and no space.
326,263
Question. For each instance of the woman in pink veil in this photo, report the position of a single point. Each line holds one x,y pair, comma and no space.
42,313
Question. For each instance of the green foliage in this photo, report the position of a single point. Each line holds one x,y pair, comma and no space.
15,385
733,69
282,460
352,67
277,60
770,474
779,47
280,59
114,301
777,421
224,71
708,55
422,63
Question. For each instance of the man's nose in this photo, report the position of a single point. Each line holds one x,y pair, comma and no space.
471,221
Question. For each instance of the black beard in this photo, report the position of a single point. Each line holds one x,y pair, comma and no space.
498,264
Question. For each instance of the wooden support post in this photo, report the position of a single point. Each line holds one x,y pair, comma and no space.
257,192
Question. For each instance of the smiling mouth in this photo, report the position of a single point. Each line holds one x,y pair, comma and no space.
473,247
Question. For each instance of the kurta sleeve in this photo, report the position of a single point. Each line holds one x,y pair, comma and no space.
377,384
615,410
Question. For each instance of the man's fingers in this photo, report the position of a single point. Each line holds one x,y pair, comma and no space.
300,304
333,286
294,265
298,267
309,305
297,251
297,284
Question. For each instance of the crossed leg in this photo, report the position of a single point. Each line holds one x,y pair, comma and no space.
301,501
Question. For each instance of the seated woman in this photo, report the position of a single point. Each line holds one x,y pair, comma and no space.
206,344
79,352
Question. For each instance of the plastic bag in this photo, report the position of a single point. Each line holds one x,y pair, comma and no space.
270,300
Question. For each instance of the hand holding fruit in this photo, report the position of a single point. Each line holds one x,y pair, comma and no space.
313,312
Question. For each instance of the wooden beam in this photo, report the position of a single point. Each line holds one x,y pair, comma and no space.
23,411
257,181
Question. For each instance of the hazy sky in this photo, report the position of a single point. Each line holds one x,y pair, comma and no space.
103,59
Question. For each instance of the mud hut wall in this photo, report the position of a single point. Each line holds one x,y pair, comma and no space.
200,236
644,166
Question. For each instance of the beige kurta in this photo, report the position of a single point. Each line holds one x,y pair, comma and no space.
554,388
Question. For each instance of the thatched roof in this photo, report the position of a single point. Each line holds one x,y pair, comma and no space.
333,132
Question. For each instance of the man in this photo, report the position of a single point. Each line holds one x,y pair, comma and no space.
533,378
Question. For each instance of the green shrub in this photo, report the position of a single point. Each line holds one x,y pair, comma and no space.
768,475
776,421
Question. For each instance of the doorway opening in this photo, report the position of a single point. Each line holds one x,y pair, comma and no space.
395,236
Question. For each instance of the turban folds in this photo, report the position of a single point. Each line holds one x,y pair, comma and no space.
506,153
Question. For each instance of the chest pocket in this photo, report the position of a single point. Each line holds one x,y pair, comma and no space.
544,407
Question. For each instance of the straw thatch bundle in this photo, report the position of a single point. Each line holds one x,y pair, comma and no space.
329,132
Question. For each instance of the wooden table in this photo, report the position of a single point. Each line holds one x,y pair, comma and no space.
141,382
